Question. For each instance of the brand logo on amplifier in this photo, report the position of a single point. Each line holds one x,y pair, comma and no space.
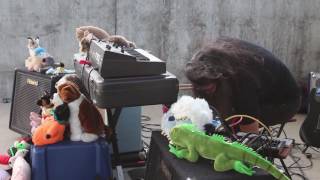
32,82
98,57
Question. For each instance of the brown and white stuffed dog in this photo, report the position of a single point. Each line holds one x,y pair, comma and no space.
85,121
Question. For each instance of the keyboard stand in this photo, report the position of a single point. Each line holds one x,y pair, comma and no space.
112,122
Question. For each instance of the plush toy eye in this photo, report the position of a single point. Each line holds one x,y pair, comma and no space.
171,118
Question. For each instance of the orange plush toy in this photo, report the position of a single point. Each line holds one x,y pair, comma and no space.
49,132
52,129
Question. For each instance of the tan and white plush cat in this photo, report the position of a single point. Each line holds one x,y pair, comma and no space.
38,56
84,34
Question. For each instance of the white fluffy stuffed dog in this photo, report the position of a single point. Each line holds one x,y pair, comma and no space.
187,110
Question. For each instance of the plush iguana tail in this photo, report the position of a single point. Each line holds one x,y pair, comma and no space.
254,159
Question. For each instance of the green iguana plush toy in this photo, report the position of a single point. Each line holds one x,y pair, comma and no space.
189,143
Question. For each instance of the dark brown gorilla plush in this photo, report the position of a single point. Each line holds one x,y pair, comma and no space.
238,77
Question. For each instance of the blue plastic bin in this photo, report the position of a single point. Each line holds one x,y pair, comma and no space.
71,161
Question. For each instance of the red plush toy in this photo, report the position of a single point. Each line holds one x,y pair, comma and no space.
4,159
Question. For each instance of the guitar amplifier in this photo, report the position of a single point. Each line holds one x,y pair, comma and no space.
113,61
310,128
28,88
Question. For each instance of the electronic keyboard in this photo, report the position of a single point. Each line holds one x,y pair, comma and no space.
111,60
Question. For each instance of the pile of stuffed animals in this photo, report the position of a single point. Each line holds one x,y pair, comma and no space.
68,115
68,110
192,131
40,60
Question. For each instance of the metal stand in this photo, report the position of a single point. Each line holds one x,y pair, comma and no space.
305,149
285,168
112,122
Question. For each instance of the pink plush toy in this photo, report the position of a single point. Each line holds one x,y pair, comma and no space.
21,170
35,121
4,175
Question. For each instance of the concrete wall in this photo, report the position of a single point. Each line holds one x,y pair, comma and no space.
170,29
54,21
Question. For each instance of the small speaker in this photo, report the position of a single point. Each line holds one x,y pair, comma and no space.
27,89
163,165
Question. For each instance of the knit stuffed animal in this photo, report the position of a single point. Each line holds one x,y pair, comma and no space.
85,34
86,123
39,57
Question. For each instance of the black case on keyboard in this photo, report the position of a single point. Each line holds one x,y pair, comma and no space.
127,91
112,62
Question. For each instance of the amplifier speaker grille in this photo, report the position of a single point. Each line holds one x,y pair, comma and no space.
28,88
